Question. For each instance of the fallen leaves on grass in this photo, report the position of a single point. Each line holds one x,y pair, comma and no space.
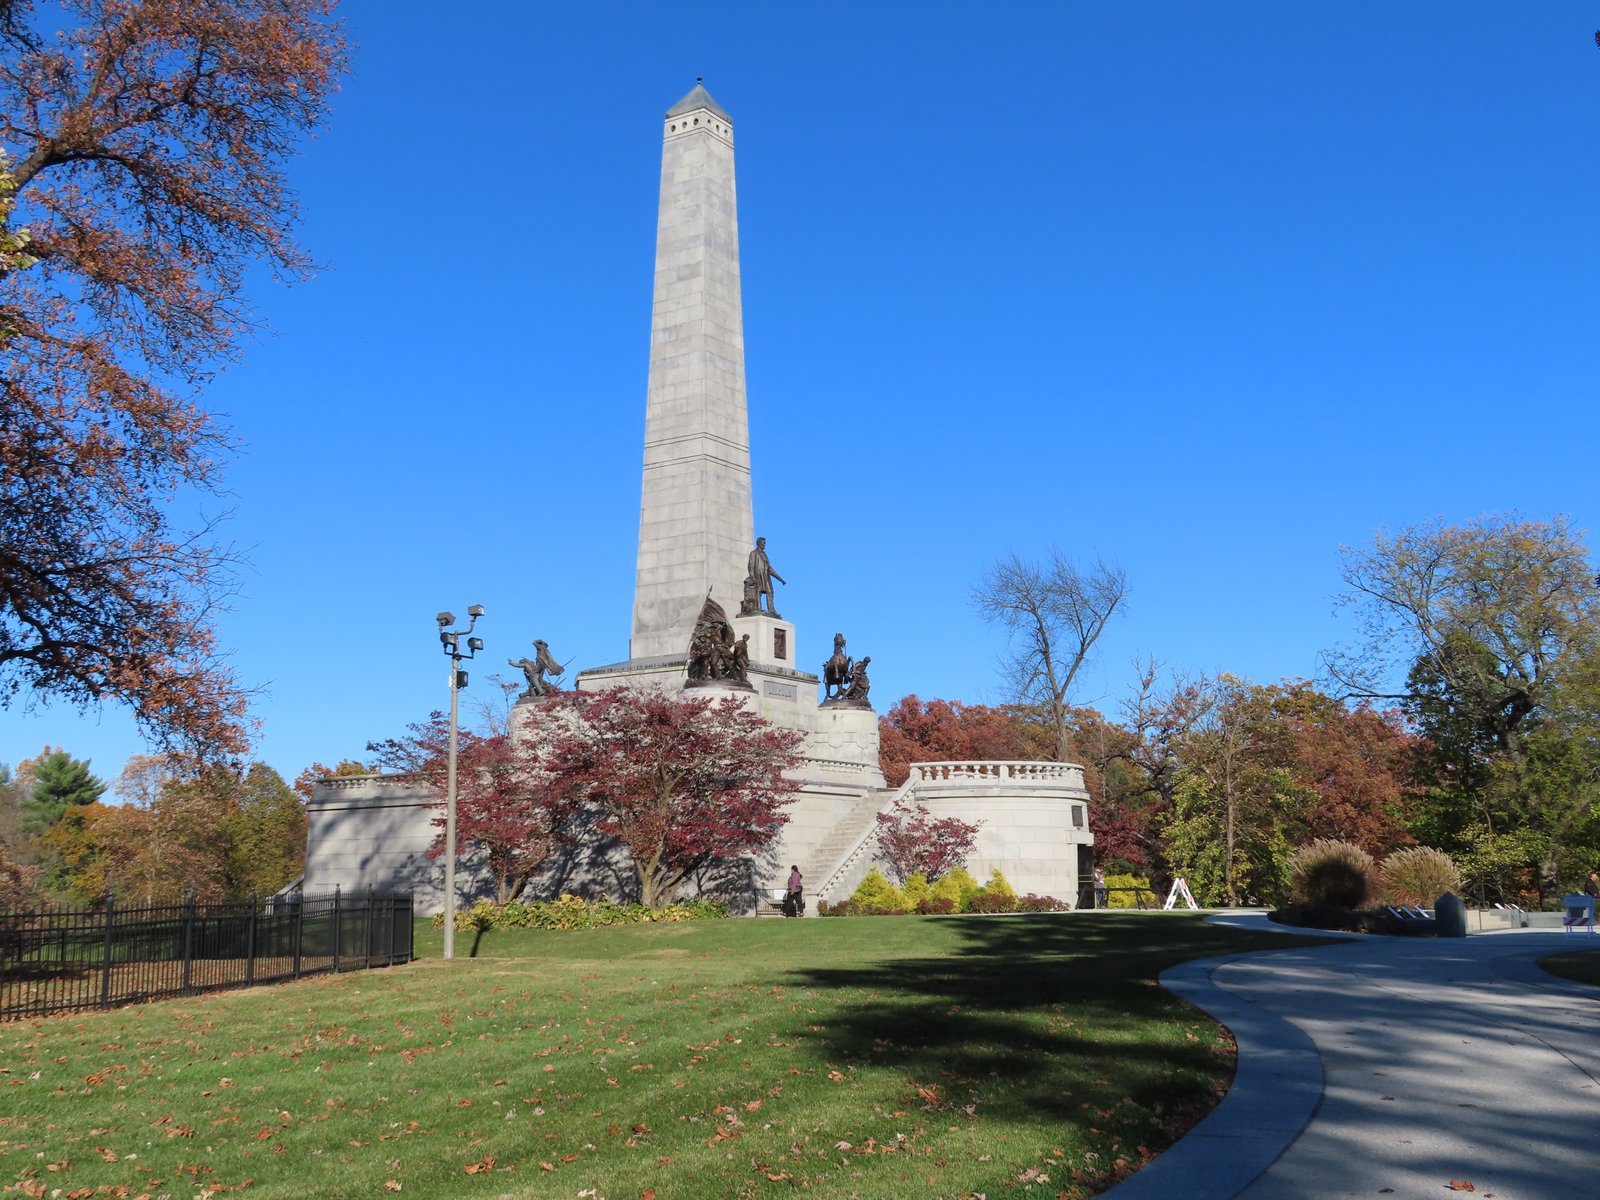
1460,1185
486,1163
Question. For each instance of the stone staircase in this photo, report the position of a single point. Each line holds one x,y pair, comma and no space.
849,848
858,825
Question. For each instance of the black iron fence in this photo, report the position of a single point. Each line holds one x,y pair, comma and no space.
59,960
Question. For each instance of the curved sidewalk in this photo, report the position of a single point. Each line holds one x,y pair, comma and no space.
1394,1066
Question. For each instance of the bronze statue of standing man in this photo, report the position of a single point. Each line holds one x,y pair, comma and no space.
758,581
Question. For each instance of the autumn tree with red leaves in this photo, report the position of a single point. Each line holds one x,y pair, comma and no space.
506,806
305,782
144,144
912,841
684,783
1360,764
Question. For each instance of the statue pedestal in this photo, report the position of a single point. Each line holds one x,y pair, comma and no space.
771,640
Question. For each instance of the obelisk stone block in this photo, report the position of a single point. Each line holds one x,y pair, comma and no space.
695,523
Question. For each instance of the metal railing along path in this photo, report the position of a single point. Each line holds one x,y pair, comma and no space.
58,960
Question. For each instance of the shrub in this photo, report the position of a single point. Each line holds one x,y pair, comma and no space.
936,906
993,902
840,908
1032,903
574,912
875,894
1125,899
913,841
1418,875
999,886
1327,872
957,886
915,891
1321,916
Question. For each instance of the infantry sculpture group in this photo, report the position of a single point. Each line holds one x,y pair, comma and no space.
716,656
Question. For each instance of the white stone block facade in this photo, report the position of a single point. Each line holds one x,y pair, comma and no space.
696,532
695,523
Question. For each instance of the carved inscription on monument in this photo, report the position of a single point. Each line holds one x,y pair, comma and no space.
779,691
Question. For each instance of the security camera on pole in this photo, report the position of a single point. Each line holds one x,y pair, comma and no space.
451,640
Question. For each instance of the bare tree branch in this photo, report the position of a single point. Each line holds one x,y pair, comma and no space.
1055,614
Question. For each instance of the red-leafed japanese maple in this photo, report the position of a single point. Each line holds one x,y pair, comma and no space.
684,783
142,145
507,807
912,841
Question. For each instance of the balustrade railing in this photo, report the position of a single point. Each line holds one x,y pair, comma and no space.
1037,774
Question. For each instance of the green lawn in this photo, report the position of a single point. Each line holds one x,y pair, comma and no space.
910,1057
1582,965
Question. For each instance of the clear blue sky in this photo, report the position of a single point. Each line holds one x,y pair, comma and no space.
1204,289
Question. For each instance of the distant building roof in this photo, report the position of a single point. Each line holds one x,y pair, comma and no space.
698,98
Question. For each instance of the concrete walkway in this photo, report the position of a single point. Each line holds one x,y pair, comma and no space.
1394,1067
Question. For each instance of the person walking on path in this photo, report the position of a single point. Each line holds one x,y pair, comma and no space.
1099,888
794,896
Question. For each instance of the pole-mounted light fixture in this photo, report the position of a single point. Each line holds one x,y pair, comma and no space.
451,640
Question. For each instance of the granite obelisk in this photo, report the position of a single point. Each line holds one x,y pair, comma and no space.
695,523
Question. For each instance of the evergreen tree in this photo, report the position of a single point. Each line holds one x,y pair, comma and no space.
60,783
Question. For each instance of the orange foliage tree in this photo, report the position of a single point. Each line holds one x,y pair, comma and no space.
144,144
950,731
219,832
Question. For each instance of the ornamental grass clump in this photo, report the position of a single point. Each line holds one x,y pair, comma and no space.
1331,873
1418,875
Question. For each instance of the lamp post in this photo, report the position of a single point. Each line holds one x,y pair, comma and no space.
450,639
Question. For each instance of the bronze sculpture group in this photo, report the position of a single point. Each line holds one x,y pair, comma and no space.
535,669
843,679
715,655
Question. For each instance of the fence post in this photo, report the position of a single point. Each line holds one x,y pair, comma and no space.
299,927
338,928
371,923
250,943
188,940
105,964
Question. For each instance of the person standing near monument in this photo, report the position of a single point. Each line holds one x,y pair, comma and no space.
759,572
1099,888
794,896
